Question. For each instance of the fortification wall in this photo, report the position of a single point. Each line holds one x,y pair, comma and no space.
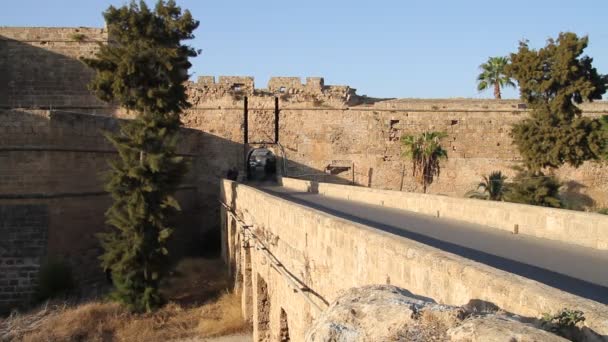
368,139
327,138
53,162
326,133
40,67
327,255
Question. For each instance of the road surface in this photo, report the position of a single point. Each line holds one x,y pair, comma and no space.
578,270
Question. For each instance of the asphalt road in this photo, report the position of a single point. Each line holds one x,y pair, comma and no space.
578,270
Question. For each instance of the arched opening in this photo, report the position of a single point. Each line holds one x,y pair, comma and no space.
261,165
284,328
247,295
263,310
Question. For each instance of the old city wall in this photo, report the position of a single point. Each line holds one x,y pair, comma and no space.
290,260
40,67
51,154
328,133
52,200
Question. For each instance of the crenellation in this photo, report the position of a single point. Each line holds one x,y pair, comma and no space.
315,84
205,80
285,85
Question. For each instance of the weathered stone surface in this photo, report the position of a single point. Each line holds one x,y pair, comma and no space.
23,240
388,313
498,329
366,313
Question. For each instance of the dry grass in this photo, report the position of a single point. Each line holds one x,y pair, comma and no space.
200,306
221,317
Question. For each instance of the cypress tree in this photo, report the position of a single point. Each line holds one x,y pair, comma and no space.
143,68
552,81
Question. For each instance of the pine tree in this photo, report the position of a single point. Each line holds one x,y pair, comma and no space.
143,69
553,80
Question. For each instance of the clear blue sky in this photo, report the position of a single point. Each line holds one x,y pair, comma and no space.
383,48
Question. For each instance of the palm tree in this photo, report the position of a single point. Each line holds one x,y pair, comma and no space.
425,151
493,74
492,187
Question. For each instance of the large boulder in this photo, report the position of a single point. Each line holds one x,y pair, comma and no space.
387,313
493,328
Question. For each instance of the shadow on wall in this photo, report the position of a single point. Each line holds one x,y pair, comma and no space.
57,159
573,196
46,74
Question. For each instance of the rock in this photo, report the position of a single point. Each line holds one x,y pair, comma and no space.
388,313
380,313
498,329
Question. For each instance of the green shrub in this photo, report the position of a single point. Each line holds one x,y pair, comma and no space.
78,37
535,189
603,211
492,187
563,323
54,280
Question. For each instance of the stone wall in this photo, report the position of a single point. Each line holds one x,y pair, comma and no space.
574,227
56,160
292,260
40,67
23,232
328,133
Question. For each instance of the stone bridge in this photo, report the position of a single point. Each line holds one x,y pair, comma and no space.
292,249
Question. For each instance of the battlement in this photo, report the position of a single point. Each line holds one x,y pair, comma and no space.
290,89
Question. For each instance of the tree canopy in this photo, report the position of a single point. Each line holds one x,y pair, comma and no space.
143,69
552,81
492,187
426,151
144,66
493,76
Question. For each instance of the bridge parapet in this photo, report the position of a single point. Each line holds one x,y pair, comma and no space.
568,226
327,255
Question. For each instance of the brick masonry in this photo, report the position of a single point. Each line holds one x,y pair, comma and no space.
23,243
57,160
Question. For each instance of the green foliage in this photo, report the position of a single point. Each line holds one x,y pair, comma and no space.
78,37
535,189
54,280
562,323
603,137
603,211
493,75
491,188
143,69
145,65
426,151
552,81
